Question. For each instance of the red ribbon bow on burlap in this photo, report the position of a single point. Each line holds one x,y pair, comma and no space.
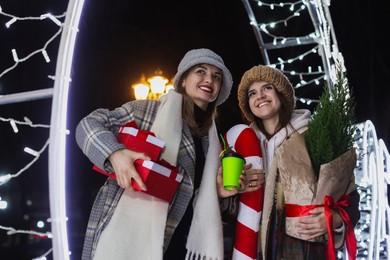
350,238
293,210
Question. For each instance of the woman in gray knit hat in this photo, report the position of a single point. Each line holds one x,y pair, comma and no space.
267,102
127,224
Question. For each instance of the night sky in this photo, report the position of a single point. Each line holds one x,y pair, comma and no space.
120,40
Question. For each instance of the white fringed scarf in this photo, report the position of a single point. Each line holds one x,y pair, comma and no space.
136,229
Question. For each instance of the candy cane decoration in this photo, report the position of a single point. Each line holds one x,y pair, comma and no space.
243,140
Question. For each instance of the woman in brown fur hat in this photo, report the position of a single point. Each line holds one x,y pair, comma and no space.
267,101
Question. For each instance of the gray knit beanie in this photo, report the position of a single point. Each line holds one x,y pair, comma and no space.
201,56
270,75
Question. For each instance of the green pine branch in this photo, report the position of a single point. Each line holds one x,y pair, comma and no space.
330,130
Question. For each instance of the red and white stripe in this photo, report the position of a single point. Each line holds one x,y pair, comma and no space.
243,140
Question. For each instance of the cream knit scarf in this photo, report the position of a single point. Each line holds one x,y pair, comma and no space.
136,229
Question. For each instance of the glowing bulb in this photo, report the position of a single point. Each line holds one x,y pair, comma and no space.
5,178
27,120
141,91
10,22
157,84
55,20
40,224
3,204
14,127
31,151
45,56
15,55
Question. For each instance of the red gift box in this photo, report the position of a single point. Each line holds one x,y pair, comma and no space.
161,179
140,140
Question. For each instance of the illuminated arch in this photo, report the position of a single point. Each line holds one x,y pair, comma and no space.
58,131
372,176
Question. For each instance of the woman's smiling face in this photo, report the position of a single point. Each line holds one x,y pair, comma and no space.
203,84
264,101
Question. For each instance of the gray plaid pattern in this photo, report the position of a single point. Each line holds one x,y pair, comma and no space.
96,135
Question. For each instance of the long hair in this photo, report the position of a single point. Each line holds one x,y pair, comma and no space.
188,111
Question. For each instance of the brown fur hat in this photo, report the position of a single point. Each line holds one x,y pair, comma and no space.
270,75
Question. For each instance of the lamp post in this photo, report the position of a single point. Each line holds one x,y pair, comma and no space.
152,87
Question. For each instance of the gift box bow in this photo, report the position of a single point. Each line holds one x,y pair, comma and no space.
140,140
146,135
163,182
303,190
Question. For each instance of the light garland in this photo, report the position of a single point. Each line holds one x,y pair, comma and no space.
67,29
43,50
372,176
4,178
322,38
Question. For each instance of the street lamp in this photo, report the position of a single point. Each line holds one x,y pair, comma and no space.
152,87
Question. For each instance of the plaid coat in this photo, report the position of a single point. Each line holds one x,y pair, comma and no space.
96,135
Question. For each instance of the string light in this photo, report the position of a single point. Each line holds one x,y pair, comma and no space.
43,50
32,95
12,231
5,178
26,122
320,38
372,177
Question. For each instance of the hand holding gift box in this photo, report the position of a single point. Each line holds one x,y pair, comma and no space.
161,178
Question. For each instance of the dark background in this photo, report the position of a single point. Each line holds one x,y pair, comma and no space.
120,40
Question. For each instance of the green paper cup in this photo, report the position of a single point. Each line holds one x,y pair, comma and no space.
232,165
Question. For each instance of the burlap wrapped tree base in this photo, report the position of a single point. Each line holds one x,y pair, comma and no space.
300,184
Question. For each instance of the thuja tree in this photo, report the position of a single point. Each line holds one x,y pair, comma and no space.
330,130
